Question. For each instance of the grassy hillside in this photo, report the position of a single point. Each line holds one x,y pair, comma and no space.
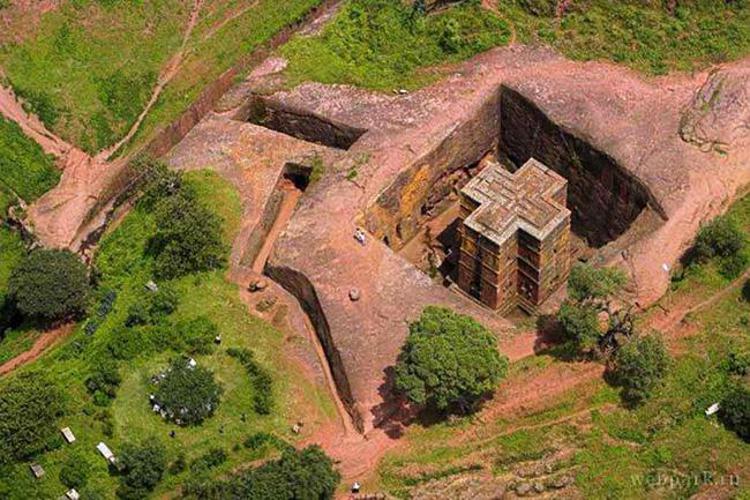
383,44
125,267
89,67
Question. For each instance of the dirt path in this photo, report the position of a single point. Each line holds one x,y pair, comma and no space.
12,109
169,72
45,341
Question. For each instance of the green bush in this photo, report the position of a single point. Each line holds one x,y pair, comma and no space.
738,363
449,361
212,458
178,465
308,474
719,238
188,394
75,471
639,366
129,343
580,323
196,336
152,307
259,377
188,237
734,411
142,466
733,265
30,406
24,167
49,285
103,381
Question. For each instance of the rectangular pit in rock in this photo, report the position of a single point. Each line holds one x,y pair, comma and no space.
604,198
299,123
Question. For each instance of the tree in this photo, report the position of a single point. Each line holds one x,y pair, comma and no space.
142,466
449,361
188,237
639,366
590,292
49,285
188,394
734,411
30,405
591,284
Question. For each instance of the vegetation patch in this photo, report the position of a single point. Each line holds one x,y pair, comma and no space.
88,70
25,170
107,399
260,378
382,43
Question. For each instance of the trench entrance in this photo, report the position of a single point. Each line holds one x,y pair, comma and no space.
300,124
280,208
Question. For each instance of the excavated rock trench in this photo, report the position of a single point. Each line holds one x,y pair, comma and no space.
605,199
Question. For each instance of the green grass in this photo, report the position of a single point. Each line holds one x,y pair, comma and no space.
125,268
378,44
24,168
88,69
212,52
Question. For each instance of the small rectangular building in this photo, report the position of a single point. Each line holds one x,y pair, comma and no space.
68,434
514,235
106,453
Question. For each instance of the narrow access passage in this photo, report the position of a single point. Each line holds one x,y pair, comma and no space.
291,192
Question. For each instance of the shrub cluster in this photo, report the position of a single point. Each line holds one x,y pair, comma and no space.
721,239
259,377
212,458
734,411
30,405
75,471
151,308
308,473
142,466
103,381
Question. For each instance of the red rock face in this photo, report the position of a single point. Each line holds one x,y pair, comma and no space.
638,188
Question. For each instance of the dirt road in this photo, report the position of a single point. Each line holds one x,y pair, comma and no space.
44,342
